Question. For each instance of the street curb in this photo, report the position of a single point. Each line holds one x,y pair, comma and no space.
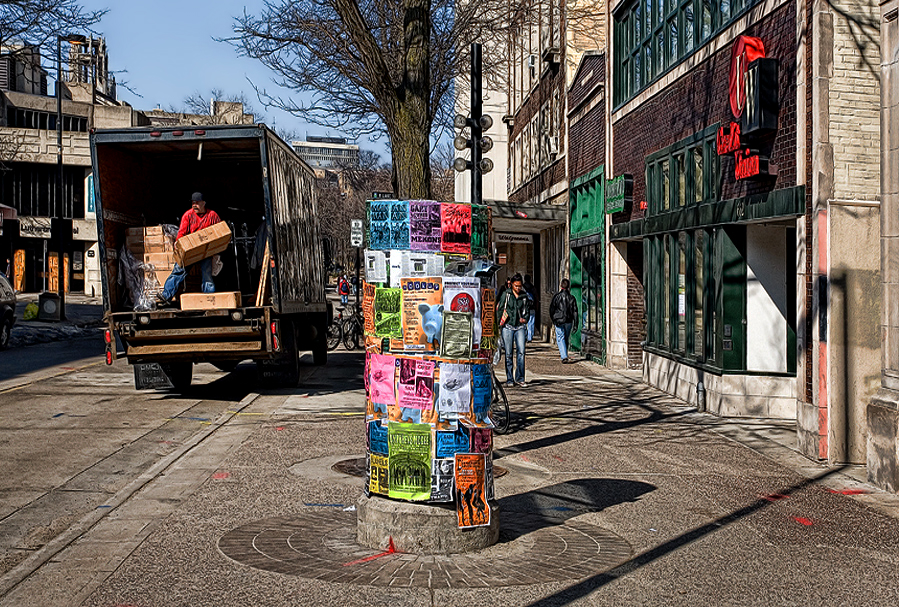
26,568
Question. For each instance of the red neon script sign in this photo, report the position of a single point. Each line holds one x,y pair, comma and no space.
746,50
728,141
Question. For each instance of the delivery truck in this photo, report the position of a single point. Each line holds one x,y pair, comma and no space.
270,302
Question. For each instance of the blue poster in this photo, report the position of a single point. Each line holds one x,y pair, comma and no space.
399,224
449,443
377,438
481,393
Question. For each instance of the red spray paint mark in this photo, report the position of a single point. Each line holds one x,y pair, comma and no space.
850,491
279,428
558,458
221,475
775,497
391,549
525,458
803,521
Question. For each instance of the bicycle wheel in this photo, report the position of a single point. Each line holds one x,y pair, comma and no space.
351,331
499,408
335,335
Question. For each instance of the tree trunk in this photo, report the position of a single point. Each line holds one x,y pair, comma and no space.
411,125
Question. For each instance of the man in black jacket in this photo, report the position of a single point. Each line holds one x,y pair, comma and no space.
563,312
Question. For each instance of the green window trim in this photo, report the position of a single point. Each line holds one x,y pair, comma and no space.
653,36
667,189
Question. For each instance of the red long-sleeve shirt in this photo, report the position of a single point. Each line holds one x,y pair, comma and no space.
193,221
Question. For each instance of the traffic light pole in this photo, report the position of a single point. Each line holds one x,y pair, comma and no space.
477,186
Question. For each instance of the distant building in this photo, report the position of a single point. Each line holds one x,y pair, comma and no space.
220,112
28,158
327,153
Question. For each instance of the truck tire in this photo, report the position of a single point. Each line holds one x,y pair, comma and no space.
180,374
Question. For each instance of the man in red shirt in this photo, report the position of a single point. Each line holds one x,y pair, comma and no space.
195,219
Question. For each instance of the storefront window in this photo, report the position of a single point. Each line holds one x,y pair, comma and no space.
666,291
682,291
698,335
698,190
679,161
665,185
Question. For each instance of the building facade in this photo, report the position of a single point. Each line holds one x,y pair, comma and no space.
749,130
28,152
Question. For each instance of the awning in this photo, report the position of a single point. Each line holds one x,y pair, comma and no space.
526,218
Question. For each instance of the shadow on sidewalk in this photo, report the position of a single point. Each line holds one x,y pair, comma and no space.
555,504
595,582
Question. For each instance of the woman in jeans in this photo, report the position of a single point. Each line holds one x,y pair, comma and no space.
513,311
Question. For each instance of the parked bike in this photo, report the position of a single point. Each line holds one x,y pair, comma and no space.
353,329
335,330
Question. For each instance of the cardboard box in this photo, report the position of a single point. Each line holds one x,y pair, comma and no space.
160,261
145,231
210,301
202,244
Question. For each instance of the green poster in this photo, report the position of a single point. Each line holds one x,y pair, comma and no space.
480,230
409,466
387,309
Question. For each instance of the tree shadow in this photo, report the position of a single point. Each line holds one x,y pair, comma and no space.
555,504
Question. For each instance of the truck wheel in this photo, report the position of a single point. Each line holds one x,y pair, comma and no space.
284,370
180,374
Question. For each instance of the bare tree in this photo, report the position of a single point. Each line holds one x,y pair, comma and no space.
200,104
38,22
443,176
372,66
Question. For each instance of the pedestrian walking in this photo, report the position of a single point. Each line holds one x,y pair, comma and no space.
343,287
563,312
512,317
195,219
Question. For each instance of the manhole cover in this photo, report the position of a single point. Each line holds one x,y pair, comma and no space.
356,467
353,467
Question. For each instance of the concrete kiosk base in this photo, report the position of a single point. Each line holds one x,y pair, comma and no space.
419,528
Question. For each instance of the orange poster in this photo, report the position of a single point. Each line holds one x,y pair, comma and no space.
472,509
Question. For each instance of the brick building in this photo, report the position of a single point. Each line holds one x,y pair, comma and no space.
750,130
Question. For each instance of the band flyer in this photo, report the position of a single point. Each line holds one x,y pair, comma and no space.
375,266
416,384
422,313
472,509
425,230
410,461
378,481
455,221
381,382
442,480
454,390
457,335
463,294
368,307
387,313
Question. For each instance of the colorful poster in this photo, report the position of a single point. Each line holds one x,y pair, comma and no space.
411,264
368,307
399,224
481,393
424,225
379,225
480,230
387,308
481,440
472,509
455,224
455,391
456,339
463,294
416,384
442,473
382,373
422,313
377,437
375,266
410,461
448,444
488,313
378,475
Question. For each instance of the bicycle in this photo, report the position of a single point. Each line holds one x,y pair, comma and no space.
353,329
335,331
499,406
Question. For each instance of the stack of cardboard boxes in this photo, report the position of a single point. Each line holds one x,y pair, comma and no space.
154,248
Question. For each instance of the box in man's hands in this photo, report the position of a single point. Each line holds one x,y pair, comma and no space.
202,244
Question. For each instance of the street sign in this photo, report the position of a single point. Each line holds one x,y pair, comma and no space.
356,232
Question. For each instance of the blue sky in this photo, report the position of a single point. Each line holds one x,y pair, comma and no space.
167,49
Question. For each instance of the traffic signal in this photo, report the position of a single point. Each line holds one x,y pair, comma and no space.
477,123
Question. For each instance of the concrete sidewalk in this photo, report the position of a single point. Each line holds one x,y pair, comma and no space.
613,494
84,316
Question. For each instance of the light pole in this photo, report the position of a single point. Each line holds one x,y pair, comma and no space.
61,239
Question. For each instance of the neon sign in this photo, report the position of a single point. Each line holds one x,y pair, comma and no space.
728,141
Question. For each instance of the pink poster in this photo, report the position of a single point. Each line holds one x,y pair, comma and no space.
455,221
416,386
381,383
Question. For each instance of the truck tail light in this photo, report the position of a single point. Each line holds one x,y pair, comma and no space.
108,356
156,134
108,336
276,343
